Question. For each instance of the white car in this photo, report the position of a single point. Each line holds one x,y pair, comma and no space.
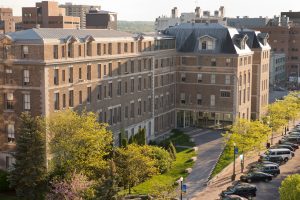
286,154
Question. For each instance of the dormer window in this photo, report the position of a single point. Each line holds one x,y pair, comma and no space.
207,43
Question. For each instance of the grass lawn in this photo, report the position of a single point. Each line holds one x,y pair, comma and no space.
178,138
7,196
225,159
167,180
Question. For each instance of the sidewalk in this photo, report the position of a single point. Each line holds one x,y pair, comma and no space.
223,179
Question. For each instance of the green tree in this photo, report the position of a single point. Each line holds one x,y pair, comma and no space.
79,143
290,188
29,173
132,166
172,150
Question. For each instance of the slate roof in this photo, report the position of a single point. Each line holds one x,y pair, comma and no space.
40,35
255,38
187,38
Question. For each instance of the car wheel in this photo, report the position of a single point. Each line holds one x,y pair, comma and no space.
286,159
249,180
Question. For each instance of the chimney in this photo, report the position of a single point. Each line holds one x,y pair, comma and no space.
174,12
222,11
198,12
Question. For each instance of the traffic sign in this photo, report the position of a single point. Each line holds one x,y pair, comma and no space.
184,188
236,150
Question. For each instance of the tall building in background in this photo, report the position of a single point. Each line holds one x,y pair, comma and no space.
7,23
79,11
47,14
101,19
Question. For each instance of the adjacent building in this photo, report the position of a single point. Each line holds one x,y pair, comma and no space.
248,22
7,23
277,70
191,75
199,16
79,11
101,19
47,14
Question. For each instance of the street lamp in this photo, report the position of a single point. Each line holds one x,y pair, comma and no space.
269,124
234,151
242,163
181,180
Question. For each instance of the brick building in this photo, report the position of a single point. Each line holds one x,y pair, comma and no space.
130,81
101,19
7,23
47,14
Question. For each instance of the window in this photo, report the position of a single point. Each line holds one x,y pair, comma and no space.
9,98
213,78
119,68
9,162
26,77
140,108
89,49
80,97
11,133
110,48
213,62
110,90
63,75
132,109
132,47
132,66
199,99
149,104
70,74
228,62
71,98
25,52
182,98
56,77
104,70
225,93
64,100
63,51
99,70
79,73
125,87
56,101
227,79
206,43
249,77
140,84
79,50
99,49
125,47
26,99
104,49
110,69
55,51
150,81
119,48
89,95
183,77
88,72
199,78
119,90
212,100
132,85
139,65
70,50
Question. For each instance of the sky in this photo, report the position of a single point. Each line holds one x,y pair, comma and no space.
148,10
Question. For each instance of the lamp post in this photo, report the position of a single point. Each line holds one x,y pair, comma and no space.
181,180
242,163
233,174
269,124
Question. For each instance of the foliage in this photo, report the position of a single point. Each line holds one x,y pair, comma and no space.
158,184
4,184
78,143
69,188
172,150
139,138
29,172
132,166
178,138
290,188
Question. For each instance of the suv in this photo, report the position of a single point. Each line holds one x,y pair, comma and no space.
268,168
256,176
277,160
241,189
283,153
291,139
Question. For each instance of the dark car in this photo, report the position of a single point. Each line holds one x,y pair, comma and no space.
256,176
267,168
286,146
233,197
278,159
295,140
296,146
241,189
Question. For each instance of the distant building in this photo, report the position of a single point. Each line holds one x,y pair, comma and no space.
277,69
246,22
100,19
199,16
7,23
47,14
79,11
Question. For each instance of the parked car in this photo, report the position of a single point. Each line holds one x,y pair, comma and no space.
296,146
241,189
256,176
278,160
233,197
291,139
284,146
284,153
267,168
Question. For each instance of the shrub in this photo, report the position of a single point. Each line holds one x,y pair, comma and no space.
290,188
4,184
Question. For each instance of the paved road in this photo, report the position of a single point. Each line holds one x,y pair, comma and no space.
210,146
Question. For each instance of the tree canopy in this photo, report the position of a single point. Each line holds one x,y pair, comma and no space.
290,188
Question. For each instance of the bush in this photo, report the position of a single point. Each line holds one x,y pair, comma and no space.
4,184
172,150
290,188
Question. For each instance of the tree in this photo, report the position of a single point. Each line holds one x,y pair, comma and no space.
29,172
172,150
132,166
79,143
139,138
290,188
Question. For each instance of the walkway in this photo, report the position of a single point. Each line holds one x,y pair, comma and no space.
209,143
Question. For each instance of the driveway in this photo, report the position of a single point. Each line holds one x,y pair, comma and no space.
209,143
